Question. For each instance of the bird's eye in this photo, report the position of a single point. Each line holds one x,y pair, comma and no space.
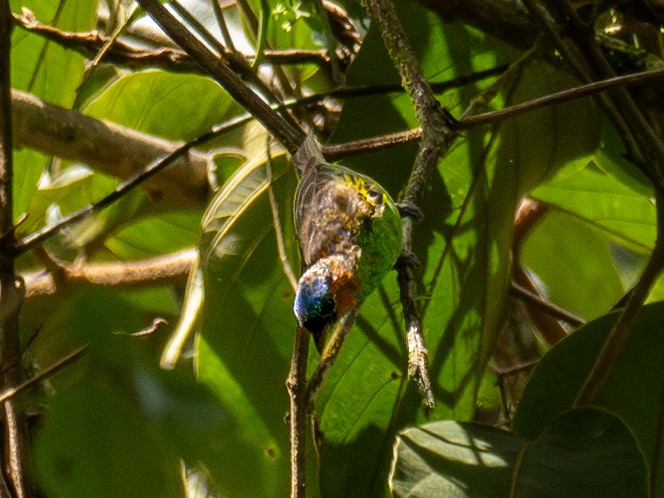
376,196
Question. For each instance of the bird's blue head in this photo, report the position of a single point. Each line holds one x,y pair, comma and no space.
315,306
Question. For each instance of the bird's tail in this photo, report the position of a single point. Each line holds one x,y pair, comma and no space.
308,154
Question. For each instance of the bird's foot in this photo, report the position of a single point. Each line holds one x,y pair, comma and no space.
408,260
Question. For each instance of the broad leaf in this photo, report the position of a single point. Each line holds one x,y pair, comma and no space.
581,453
95,443
161,104
123,426
560,374
247,327
574,264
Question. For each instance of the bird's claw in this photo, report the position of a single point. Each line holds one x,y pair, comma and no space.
411,210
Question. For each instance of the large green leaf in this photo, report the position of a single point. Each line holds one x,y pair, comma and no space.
633,389
574,264
160,103
248,325
580,454
592,192
119,426
45,68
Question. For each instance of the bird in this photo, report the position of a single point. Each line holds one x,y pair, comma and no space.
349,231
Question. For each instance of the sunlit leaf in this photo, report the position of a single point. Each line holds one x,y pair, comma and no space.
574,264
161,104
598,198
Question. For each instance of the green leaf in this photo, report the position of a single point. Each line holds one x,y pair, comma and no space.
574,264
288,24
42,67
560,374
582,453
539,142
49,71
153,235
591,194
247,327
152,418
160,103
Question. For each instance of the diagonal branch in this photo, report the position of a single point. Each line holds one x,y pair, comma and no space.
108,147
290,135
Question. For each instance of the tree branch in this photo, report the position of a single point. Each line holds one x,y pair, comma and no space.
160,270
437,134
12,290
108,147
297,418
90,43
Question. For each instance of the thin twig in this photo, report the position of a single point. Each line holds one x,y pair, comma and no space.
329,355
549,307
66,360
296,384
559,97
223,26
617,339
281,247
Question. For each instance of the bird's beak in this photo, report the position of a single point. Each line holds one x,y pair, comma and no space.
319,340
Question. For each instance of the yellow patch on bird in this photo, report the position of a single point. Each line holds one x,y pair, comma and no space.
372,194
